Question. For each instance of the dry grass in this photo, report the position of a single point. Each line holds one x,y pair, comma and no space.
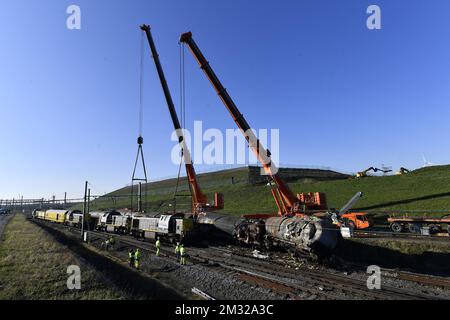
34,266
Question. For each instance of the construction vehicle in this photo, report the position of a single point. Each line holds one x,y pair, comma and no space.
364,173
355,220
402,171
200,201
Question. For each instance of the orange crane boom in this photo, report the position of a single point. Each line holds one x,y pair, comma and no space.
199,199
290,203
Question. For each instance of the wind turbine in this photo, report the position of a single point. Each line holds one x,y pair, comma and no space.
426,163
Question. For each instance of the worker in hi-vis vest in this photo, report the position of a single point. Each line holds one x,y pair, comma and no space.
182,255
131,257
158,246
137,258
177,251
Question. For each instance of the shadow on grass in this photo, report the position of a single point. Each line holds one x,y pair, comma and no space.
405,201
131,282
434,263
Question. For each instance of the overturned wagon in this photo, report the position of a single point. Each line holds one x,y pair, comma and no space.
307,233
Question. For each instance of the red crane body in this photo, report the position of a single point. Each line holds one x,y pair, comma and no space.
287,202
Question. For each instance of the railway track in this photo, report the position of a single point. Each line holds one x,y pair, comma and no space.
302,283
327,284
388,234
261,274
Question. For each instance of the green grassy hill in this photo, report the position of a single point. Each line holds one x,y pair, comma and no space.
426,189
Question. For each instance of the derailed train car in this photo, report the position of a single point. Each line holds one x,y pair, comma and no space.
172,227
112,221
56,216
309,233
71,218
74,218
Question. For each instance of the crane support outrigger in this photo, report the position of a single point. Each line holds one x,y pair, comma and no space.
288,203
199,199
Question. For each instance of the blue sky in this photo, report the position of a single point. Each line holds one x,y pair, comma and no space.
342,96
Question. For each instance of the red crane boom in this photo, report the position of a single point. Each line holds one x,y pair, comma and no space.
290,203
199,199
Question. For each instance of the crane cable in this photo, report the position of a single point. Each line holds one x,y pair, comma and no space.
182,112
141,87
140,125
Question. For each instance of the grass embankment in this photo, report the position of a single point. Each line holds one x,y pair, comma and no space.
409,246
426,189
34,266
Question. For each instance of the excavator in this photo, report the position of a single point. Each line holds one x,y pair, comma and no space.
364,173
402,171
200,201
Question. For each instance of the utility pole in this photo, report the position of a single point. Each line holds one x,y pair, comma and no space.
89,201
84,209
65,199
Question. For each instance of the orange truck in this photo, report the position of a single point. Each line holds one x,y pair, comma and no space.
356,220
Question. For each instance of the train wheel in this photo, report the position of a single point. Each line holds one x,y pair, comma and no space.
434,229
414,228
396,227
